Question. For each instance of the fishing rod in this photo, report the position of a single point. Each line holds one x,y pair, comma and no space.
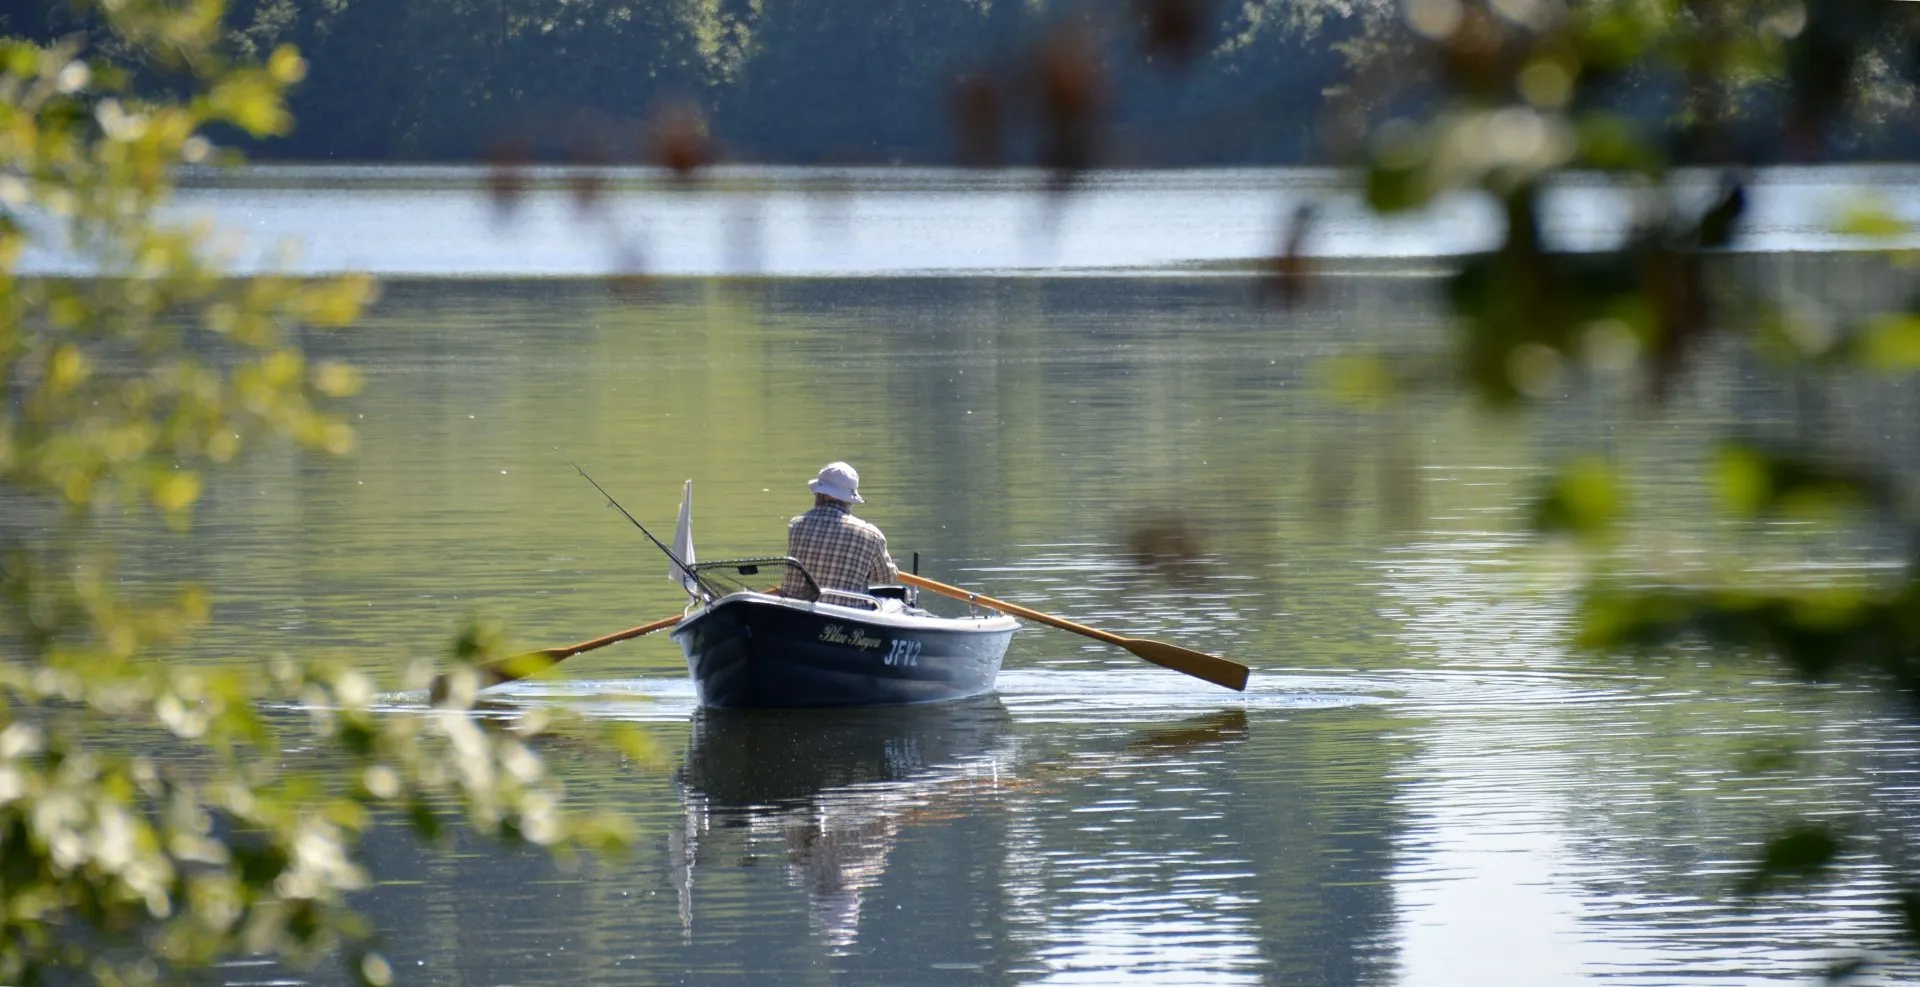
675,559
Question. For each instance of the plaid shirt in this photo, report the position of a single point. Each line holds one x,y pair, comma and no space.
840,550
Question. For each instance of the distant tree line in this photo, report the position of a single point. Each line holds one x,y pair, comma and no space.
853,81
849,81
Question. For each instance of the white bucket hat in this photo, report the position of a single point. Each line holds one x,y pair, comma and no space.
839,481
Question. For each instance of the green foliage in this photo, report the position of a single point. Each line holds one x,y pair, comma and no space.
1889,343
1869,218
1753,481
1509,97
1527,92
1584,499
123,393
1360,381
1820,633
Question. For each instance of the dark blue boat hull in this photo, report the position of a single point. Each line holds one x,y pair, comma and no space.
751,651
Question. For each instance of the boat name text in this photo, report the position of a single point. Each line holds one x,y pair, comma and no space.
856,638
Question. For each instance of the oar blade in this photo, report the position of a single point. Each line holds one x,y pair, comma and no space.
1198,664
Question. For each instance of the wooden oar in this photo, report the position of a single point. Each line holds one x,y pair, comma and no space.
1198,664
534,662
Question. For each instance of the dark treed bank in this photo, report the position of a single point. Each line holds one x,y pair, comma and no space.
835,81
854,81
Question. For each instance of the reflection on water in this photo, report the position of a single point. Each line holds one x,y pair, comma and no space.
831,795
835,788
1421,786
1032,835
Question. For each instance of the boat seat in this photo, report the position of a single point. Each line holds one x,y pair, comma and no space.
846,598
886,599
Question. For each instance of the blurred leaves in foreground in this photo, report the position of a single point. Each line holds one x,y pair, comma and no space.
151,821
1673,107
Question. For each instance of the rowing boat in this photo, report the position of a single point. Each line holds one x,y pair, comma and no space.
751,648
747,648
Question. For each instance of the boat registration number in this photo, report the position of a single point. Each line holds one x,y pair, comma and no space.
904,652
899,651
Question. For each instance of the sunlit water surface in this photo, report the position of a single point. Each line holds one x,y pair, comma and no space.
1422,784
467,221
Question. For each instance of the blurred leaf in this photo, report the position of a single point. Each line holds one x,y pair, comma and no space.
1717,223
979,119
177,491
637,744
1584,498
1071,86
1164,543
1817,632
1742,479
424,820
1907,904
1803,852
1616,619
1396,189
479,640
1752,481
681,141
285,66
1890,343
1175,29
1872,220
1770,759
251,101
1288,271
370,969
1614,143
507,160
1847,969
335,379
337,302
1362,381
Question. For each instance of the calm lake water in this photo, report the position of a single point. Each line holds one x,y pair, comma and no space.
447,221
1423,785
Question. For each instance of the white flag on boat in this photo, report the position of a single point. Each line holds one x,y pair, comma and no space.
683,543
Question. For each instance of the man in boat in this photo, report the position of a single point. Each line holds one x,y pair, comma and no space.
841,551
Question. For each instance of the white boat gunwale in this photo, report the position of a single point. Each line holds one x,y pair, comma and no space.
895,619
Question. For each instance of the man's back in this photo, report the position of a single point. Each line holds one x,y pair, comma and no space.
842,552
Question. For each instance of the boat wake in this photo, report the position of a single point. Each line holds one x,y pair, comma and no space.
1036,694
1146,692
